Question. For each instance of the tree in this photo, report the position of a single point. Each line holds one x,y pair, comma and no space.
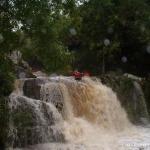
124,25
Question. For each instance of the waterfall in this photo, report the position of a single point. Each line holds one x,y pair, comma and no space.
140,106
85,113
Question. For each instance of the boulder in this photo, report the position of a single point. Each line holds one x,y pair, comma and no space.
44,89
23,72
31,87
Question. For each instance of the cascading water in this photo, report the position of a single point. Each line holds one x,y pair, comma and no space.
76,115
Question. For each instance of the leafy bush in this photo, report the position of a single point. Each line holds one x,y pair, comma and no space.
6,87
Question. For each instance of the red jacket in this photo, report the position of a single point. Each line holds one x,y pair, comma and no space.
77,74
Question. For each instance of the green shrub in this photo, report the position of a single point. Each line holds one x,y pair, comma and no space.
6,87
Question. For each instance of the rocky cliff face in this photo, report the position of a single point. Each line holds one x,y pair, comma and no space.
33,120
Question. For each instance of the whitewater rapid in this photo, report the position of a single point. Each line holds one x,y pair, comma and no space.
92,118
133,139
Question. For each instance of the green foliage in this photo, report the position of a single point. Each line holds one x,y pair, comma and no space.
48,48
125,24
6,77
41,33
36,28
6,87
4,120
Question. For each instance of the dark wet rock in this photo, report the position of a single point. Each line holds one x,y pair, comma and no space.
22,72
31,87
22,68
44,89
146,90
140,106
